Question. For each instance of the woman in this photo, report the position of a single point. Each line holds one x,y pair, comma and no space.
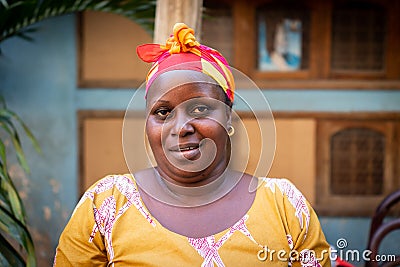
191,209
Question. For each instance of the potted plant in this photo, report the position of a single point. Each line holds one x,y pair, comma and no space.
16,20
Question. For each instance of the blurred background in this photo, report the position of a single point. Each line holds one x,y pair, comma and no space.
329,69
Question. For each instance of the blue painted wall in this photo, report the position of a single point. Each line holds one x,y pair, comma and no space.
39,82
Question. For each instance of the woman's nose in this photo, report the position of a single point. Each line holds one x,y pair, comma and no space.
181,124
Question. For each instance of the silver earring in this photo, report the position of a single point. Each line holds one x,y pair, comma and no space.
231,130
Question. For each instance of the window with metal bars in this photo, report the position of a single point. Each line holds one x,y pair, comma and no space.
358,37
357,162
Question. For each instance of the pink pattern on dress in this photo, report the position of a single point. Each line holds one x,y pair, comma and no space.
126,187
298,201
308,259
104,221
208,248
106,216
294,196
290,241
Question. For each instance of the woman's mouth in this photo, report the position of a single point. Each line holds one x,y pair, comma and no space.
193,156
188,148
188,151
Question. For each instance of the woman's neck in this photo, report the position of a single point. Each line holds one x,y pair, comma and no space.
191,196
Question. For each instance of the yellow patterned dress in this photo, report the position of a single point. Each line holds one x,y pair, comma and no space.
111,227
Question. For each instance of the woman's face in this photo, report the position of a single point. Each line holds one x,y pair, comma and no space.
186,128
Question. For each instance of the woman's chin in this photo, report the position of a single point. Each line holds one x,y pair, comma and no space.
190,161
188,171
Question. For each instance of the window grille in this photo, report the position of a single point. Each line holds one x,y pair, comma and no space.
358,37
357,162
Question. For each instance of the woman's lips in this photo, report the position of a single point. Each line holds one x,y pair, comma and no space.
188,151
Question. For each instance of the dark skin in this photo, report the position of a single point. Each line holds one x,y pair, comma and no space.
178,120
205,220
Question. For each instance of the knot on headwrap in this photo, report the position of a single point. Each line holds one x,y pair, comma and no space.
180,48
182,40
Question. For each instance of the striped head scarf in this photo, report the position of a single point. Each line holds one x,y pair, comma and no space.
182,47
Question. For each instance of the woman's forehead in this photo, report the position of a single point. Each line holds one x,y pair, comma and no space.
179,80
188,94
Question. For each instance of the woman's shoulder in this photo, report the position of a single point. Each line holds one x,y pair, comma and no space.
281,188
287,198
115,185
122,182
279,185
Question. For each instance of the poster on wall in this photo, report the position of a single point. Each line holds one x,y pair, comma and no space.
279,45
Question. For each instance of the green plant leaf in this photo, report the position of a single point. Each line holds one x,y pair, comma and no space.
4,3
10,225
3,156
6,122
28,132
13,199
16,18
9,127
8,255
21,14
9,196
12,212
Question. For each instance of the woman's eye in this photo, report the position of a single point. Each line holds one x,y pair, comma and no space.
198,110
162,113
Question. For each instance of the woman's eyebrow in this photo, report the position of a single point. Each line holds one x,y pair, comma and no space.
159,101
153,103
162,101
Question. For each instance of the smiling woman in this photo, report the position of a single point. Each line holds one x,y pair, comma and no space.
187,126
191,208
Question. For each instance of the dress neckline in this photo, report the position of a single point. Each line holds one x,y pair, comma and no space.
156,222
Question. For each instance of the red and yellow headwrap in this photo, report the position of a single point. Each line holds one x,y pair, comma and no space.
182,47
